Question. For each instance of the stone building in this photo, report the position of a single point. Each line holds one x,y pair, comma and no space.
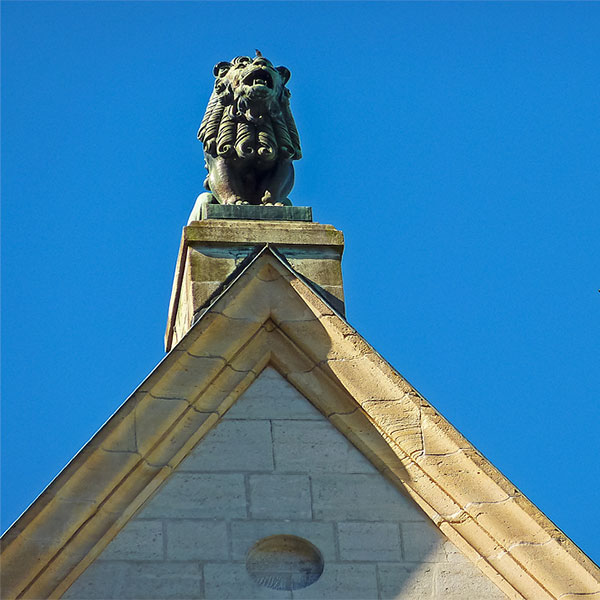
274,454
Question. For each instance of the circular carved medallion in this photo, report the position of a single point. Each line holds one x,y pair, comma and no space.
284,562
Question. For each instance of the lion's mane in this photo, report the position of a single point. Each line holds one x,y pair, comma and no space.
235,125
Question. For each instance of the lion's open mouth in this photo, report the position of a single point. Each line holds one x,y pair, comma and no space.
259,77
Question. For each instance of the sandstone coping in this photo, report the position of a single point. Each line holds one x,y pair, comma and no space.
217,231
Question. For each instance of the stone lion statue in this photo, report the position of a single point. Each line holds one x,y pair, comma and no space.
249,135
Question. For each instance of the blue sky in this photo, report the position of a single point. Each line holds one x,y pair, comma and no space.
456,145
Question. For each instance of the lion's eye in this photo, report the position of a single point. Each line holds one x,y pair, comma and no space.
241,61
262,61
221,68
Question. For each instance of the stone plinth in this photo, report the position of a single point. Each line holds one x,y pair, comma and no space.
212,249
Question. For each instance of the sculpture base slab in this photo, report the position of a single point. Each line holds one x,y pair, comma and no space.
251,212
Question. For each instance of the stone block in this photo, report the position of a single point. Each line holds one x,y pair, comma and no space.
122,438
233,446
185,378
101,472
245,534
214,340
317,447
344,582
151,415
455,582
138,540
280,497
202,291
369,541
363,497
272,397
409,582
196,540
317,268
423,542
224,390
133,580
370,443
184,317
250,212
309,328
192,425
230,581
207,265
199,496
365,379
526,585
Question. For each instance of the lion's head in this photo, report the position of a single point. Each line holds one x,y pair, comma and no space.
248,113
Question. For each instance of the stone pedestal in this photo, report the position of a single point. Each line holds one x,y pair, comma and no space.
213,248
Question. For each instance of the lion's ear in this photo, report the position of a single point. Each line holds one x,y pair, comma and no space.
221,68
285,74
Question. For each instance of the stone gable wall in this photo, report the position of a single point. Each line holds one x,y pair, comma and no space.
275,465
